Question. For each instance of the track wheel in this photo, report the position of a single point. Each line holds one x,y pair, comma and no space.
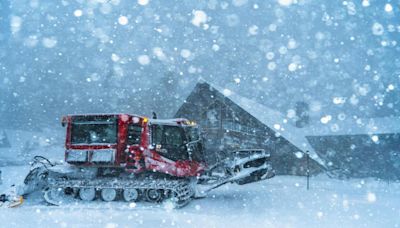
154,195
54,196
87,194
108,194
130,195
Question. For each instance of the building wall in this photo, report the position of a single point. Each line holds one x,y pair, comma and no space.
359,156
226,128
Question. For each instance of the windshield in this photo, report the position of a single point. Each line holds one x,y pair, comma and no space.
168,135
94,130
172,141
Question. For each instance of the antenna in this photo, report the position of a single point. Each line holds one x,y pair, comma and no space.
154,115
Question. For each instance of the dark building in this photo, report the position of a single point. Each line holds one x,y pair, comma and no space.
359,147
232,122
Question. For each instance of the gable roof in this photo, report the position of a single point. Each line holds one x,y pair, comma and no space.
271,118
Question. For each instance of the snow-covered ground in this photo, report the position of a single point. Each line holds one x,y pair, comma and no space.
282,201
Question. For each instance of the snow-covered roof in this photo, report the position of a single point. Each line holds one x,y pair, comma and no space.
272,118
359,126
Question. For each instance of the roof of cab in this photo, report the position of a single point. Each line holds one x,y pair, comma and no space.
104,114
176,122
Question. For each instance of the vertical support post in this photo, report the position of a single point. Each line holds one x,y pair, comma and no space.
221,130
308,170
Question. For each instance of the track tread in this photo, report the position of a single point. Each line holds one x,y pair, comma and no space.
183,192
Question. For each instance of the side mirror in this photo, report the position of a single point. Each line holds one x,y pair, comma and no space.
64,121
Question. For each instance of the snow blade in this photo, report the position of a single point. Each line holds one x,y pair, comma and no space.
256,176
35,180
250,166
37,176
242,167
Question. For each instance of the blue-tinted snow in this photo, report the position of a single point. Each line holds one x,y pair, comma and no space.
279,202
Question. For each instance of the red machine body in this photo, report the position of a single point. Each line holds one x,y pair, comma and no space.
134,143
133,157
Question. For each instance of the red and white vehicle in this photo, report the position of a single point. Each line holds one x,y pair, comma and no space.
131,157
134,144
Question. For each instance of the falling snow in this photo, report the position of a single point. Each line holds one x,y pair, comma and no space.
199,17
123,20
143,59
78,13
324,75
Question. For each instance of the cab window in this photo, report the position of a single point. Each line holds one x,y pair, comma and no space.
172,141
173,135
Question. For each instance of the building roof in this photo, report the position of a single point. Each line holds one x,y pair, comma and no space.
352,126
271,118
